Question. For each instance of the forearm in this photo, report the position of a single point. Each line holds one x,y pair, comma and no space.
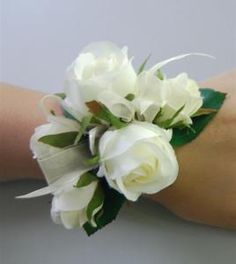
205,190
19,115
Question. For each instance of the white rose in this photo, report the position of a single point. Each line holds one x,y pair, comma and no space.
62,168
56,125
169,95
101,72
149,96
181,91
138,159
69,206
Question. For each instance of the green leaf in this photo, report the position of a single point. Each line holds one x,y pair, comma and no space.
61,95
130,97
176,114
179,124
114,121
167,123
160,75
95,205
93,161
86,179
83,126
211,100
142,66
158,115
204,111
113,202
61,140
101,112
68,115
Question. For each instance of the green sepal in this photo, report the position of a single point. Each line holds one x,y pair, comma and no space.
211,100
130,97
68,115
61,95
167,123
101,112
85,180
112,204
204,111
160,75
93,161
142,66
158,115
60,140
95,205
83,126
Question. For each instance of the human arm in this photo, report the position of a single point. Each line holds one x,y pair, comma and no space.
19,115
205,190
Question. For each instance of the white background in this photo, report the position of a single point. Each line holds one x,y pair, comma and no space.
38,39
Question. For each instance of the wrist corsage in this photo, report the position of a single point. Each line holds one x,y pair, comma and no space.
116,134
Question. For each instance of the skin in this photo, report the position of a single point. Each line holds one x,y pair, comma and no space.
19,115
205,190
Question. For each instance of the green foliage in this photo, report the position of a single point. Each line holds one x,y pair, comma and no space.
93,161
83,126
160,75
142,66
204,111
130,97
212,100
102,113
167,123
95,205
61,95
86,179
68,115
60,140
112,204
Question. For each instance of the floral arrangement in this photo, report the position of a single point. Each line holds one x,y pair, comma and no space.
116,136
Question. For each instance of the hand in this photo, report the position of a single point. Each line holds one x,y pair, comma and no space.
205,190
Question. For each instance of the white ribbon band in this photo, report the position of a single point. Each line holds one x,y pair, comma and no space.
62,169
